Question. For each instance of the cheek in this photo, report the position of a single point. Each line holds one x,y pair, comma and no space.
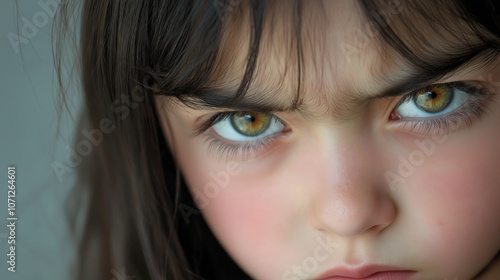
455,197
246,207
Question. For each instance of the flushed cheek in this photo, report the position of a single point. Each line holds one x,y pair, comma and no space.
253,225
248,211
456,198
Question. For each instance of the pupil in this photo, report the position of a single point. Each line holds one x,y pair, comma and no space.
249,118
431,95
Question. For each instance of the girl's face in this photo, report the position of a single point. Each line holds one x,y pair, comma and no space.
348,184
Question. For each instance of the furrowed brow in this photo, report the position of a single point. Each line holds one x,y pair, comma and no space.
274,101
208,99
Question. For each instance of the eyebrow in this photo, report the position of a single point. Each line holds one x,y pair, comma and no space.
253,100
407,85
266,101
425,77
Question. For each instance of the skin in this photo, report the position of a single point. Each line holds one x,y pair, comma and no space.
325,179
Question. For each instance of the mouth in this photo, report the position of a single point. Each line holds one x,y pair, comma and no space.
369,272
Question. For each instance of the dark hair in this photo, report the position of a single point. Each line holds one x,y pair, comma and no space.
132,50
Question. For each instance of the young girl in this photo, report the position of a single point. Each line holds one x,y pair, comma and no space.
289,140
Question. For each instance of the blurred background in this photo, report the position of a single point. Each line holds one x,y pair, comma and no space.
33,138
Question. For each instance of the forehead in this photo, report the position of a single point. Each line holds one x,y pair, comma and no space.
332,49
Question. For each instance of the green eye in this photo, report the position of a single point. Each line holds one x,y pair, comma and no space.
434,99
250,123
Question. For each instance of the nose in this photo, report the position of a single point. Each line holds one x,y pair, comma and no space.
351,196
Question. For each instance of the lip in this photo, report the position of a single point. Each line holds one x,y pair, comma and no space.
367,272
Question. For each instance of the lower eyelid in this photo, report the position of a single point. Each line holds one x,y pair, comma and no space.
460,118
244,150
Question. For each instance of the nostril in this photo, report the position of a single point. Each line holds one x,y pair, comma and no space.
376,228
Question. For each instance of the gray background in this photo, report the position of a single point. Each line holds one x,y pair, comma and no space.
28,140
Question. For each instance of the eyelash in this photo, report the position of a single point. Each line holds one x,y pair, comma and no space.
463,116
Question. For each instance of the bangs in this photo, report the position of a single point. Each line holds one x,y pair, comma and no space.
434,38
226,63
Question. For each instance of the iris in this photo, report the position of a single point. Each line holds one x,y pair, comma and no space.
250,123
434,99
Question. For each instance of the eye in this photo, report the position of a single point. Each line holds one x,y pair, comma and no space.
440,108
433,101
247,126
